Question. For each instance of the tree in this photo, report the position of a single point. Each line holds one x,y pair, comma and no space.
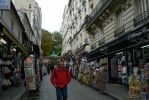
57,42
51,42
46,42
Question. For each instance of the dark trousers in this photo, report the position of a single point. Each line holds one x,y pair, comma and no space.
61,93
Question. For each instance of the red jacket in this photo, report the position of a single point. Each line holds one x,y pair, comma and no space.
60,78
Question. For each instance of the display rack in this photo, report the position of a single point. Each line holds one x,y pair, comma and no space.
6,73
145,82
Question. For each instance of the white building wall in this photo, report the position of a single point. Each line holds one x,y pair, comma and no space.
12,23
34,14
78,12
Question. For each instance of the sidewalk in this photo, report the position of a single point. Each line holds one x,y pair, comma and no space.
13,93
116,91
76,91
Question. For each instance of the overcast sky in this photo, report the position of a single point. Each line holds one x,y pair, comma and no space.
52,12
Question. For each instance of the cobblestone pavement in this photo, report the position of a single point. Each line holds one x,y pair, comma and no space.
75,89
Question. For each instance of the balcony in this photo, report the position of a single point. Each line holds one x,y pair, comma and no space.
86,42
101,41
93,46
118,32
142,18
100,7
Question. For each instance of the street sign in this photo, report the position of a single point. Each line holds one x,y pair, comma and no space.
5,4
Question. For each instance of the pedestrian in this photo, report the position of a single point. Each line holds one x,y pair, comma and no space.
48,67
60,78
40,71
51,67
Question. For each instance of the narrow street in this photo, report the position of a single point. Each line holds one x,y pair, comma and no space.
76,92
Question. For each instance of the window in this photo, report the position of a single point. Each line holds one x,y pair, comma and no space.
30,6
143,5
91,6
85,9
120,19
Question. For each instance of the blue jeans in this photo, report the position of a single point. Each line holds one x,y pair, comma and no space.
61,93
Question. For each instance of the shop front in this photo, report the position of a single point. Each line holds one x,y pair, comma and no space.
11,58
140,38
128,62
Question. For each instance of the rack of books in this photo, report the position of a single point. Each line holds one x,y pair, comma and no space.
145,81
6,73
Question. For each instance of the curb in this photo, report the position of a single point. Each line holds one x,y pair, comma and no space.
20,94
115,97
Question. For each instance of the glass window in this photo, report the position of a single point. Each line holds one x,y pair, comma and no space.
146,54
143,5
120,19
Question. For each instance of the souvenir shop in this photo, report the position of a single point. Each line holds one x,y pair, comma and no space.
128,63
11,58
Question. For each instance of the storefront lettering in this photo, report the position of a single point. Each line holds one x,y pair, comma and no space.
138,33
134,35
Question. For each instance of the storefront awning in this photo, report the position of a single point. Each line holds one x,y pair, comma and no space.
13,39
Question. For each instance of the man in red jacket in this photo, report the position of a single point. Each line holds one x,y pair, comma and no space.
60,79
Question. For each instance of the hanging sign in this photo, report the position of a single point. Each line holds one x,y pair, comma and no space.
5,4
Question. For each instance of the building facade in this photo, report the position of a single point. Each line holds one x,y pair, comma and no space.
33,11
14,46
117,35
75,14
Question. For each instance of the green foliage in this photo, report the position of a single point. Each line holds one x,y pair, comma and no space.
51,42
57,42
46,42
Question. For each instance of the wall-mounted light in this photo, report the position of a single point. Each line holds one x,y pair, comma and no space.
14,49
146,46
119,53
3,41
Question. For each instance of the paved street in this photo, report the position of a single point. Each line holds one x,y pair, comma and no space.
76,92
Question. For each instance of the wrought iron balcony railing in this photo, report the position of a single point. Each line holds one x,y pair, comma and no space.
102,4
86,42
119,31
142,18
97,8
101,41
93,46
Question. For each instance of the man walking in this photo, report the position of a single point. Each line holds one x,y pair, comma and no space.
60,79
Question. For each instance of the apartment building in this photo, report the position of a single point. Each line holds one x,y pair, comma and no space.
75,15
34,15
116,31
121,34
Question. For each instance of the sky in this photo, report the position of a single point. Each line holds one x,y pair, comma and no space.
52,13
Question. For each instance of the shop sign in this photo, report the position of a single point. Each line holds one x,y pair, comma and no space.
138,33
5,4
